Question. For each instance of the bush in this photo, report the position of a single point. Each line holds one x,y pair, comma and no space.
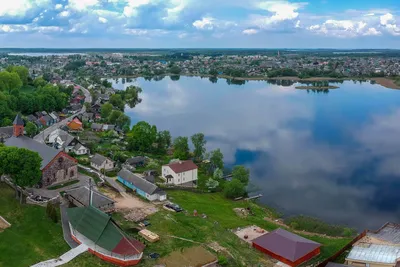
222,260
294,225
51,212
112,173
234,189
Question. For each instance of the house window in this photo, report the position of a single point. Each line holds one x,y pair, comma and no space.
72,173
60,159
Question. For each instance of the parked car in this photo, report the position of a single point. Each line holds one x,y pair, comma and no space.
174,207
144,223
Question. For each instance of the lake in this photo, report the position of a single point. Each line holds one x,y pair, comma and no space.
332,155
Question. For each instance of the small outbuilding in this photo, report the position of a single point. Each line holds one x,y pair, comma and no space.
287,247
141,186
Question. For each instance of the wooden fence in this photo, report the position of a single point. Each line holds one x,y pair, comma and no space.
340,252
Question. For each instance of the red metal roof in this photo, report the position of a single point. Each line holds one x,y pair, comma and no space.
285,244
128,247
182,166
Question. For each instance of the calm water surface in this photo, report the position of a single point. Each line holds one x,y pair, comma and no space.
335,156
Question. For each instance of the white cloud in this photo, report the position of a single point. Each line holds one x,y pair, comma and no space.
282,10
82,4
15,7
103,20
210,23
343,28
65,13
173,12
388,22
297,24
58,6
250,31
206,23
130,10
372,32
385,19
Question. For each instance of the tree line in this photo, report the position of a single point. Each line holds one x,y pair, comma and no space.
39,95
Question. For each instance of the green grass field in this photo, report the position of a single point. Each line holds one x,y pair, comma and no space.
32,236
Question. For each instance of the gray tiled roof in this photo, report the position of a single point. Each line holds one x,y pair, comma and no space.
98,159
46,153
81,194
96,126
138,182
136,160
6,132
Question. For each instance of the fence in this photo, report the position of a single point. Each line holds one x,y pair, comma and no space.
340,252
28,195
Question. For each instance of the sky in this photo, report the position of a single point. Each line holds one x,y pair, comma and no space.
200,23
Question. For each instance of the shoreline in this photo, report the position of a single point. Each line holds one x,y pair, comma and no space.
317,87
383,81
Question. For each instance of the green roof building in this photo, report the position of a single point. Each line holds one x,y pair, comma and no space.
103,236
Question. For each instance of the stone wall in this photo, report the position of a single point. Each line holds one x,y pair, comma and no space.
60,169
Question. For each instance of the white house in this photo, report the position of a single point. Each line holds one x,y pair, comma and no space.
180,173
62,140
100,162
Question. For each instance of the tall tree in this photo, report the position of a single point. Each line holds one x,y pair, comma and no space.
22,165
9,81
181,148
142,137
105,110
22,72
115,114
241,173
31,129
163,141
117,101
199,143
234,189
217,159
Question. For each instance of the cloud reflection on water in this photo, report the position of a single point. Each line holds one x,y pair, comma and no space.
347,180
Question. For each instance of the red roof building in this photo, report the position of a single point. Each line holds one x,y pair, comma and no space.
182,166
287,247
75,125
182,173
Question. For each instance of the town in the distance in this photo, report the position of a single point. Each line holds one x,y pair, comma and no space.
85,183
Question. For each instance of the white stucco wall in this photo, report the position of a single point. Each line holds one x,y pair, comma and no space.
179,178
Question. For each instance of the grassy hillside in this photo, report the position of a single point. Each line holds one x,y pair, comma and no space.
32,236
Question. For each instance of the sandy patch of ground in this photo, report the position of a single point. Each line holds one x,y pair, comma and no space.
281,264
241,212
133,208
250,233
3,224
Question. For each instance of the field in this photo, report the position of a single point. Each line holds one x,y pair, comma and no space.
32,236
40,239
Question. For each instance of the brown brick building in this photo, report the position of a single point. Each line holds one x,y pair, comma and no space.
57,166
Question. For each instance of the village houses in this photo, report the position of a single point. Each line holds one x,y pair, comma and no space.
99,162
57,166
